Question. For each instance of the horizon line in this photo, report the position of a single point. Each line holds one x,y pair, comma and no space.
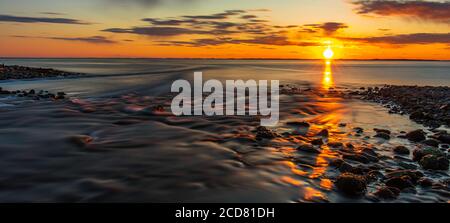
231,58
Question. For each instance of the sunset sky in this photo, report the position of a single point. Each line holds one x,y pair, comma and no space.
298,29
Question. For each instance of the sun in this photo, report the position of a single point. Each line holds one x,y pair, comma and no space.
328,53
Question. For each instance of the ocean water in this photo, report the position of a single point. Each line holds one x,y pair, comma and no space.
117,74
107,143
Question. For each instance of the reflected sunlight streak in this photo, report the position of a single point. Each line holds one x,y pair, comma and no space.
327,79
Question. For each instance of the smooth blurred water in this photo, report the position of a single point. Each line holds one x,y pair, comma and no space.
122,74
106,143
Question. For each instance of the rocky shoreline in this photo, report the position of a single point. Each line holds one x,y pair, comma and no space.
32,94
425,105
21,72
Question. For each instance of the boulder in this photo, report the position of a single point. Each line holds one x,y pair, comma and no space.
416,135
401,150
434,162
351,184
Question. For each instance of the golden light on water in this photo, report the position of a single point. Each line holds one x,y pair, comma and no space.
327,79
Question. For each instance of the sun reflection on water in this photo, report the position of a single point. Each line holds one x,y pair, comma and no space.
327,79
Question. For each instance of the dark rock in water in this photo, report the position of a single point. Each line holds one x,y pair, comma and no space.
347,168
32,91
382,135
342,124
358,130
336,162
417,115
419,153
374,175
387,193
351,184
335,144
400,182
434,162
385,131
370,152
408,166
80,140
416,135
356,157
445,146
414,175
401,150
425,182
317,141
323,133
264,133
308,148
299,124
444,138
349,146
431,142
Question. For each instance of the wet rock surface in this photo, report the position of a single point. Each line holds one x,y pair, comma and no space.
351,184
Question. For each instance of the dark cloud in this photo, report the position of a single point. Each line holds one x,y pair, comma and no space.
52,13
91,39
190,24
21,19
415,38
156,31
228,27
147,3
223,15
328,28
426,10
270,40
